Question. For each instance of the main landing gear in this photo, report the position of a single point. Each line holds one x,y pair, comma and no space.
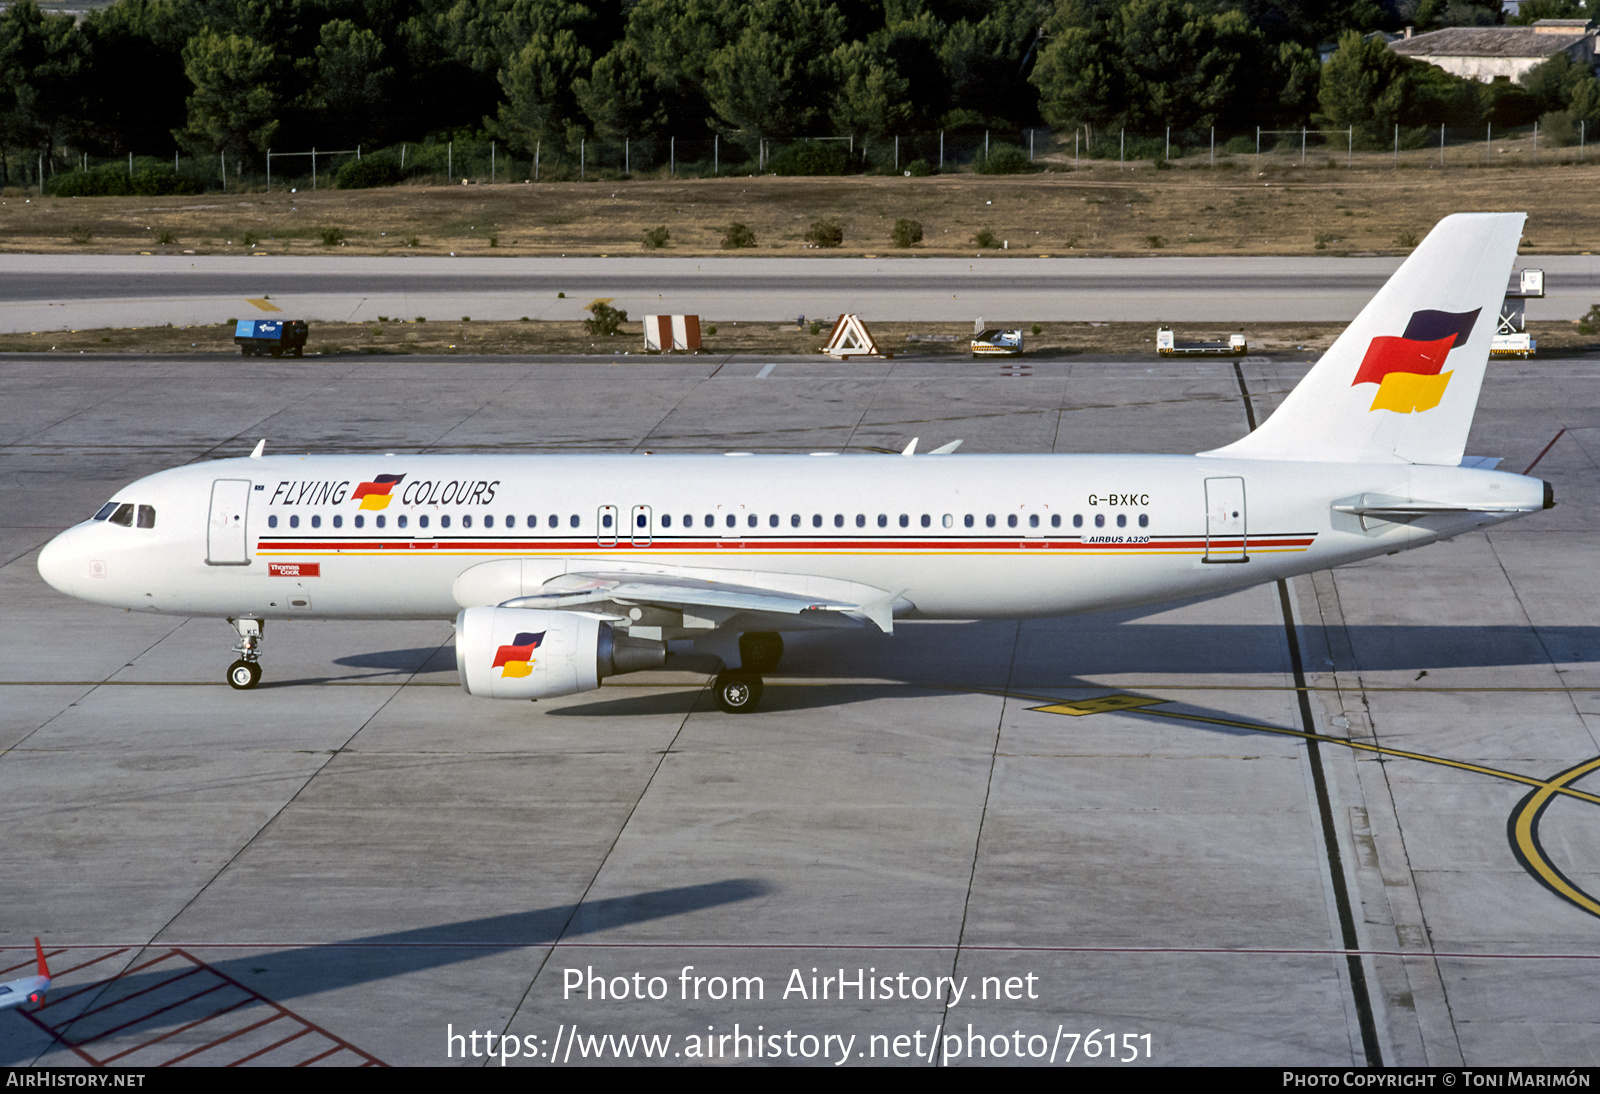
738,691
245,673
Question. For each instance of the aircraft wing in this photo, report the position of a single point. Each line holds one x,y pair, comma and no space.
718,600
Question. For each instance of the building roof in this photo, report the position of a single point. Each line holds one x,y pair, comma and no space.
1489,42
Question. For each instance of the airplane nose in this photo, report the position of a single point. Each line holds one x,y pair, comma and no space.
56,563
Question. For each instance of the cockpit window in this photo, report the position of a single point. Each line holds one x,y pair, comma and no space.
106,510
123,515
147,516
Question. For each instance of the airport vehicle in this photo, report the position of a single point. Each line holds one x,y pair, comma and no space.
1168,345
275,337
561,571
27,989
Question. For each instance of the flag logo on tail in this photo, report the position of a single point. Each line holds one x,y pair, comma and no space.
375,494
516,659
1409,369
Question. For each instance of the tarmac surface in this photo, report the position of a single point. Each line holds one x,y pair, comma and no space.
356,861
55,292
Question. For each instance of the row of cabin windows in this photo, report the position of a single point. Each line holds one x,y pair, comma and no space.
752,520
127,514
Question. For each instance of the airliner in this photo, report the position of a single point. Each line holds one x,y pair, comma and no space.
561,571
27,989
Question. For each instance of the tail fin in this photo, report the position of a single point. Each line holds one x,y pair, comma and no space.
44,970
1401,383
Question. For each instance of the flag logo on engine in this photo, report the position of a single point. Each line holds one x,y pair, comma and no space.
516,659
1409,369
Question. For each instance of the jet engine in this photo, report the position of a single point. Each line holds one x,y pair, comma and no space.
526,653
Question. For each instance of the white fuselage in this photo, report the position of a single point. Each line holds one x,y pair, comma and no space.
953,536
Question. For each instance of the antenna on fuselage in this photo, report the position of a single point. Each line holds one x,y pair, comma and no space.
261,446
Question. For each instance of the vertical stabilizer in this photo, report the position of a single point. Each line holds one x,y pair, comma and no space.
1401,383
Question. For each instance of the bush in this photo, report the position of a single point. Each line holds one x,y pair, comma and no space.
825,233
368,172
161,182
919,169
656,237
79,234
1003,159
331,237
1558,128
812,158
906,233
985,239
1240,146
1155,243
97,182
1590,323
737,236
607,320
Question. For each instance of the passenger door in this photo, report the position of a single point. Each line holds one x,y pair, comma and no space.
1225,521
226,542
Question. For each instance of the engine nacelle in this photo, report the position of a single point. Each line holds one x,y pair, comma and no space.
526,653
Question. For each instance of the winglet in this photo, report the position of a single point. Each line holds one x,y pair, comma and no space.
881,610
261,446
44,970
911,449
945,449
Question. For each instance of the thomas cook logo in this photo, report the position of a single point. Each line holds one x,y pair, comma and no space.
517,658
375,494
1409,370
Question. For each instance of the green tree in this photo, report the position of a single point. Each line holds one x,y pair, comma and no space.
42,59
620,97
234,106
872,97
777,77
1363,86
350,82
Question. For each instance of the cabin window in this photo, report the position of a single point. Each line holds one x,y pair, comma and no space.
338,521
466,520
316,520
772,521
361,521
573,520
1099,520
988,521
732,520
422,521
1033,520
488,521
711,521
294,521
666,520
752,520
399,522
968,520
927,520
905,520
1077,520
1144,520
380,520
1011,520
816,520
147,516
605,520
444,521
272,521
838,520
861,520
794,520
555,521
1122,520
688,520
511,521
883,520
106,510
949,521
1055,520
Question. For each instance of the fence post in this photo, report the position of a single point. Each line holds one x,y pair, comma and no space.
1122,147
1030,146
449,161
491,159
402,156
1075,133
1350,147
672,157
313,167
941,149
627,157
1258,150
897,153
1167,156
1397,146
581,169
1536,141
130,165
1213,146
1441,144
985,144
1488,142
222,158
1581,134
1302,146
716,153
41,176
269,170
536,145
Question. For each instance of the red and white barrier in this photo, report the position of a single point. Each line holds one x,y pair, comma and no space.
667,333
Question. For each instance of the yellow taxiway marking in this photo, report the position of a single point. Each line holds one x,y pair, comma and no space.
1524,819
590,306
264,305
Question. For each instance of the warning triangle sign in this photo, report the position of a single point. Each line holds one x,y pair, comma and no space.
851,338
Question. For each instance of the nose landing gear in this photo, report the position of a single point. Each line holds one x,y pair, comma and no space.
245,673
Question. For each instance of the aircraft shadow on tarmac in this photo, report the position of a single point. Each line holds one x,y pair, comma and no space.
286,974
